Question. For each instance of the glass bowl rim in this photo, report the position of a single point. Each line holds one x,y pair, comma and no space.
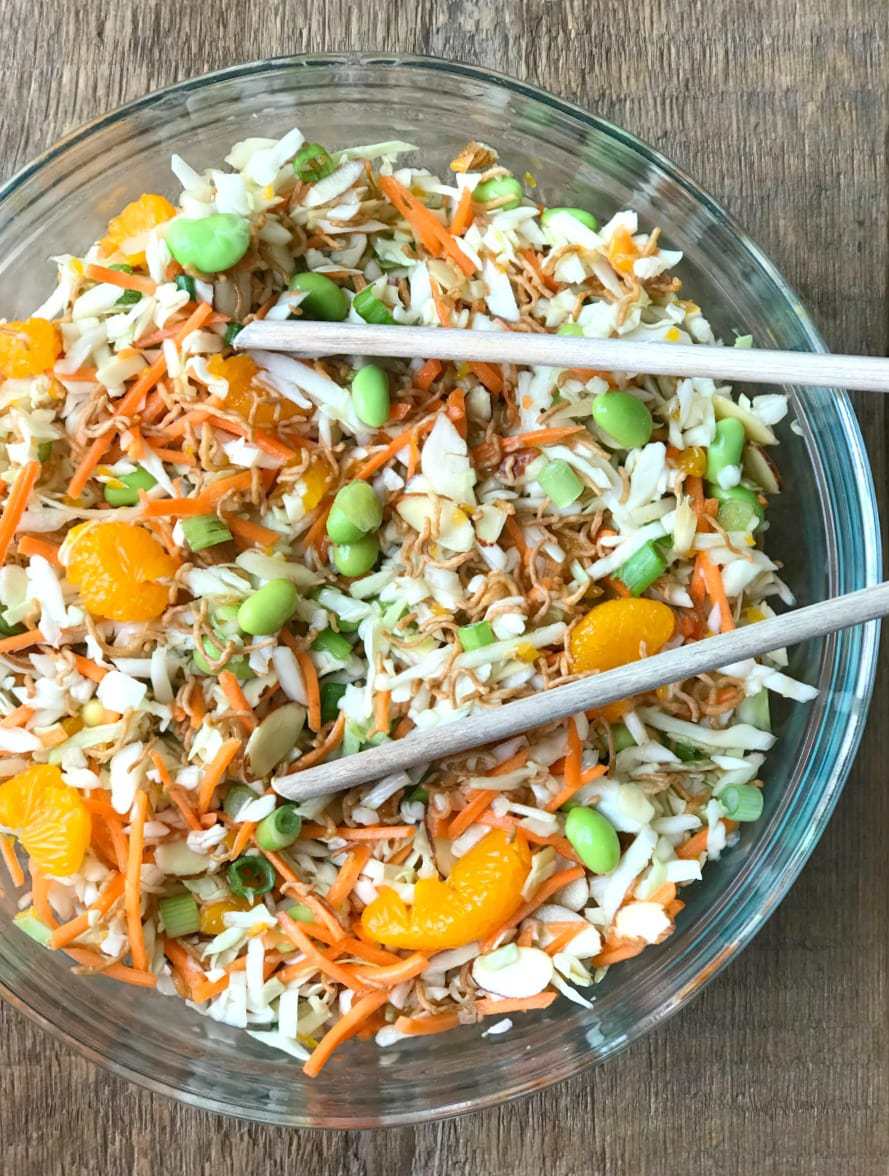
863,678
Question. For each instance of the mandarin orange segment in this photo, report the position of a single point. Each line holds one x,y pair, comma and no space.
28,348
246,396
116,566
137,218
622,251
315,480
48,817
620,631
483,891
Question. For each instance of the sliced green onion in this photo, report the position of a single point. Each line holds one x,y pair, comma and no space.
331,693
371,308
202,531
739,508
621,738
741,802
333,643
32,926
418,796
279,829
7,630
755,711
122,267
250,876
313,162
129,298
685,751
560,483
180,915
186,282
476,636
300,913
235,799
128,493
231,332
44,450
642,569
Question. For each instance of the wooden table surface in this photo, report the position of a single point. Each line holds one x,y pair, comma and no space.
780,110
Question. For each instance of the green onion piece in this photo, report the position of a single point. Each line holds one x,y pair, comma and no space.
128,493
741,802
476,636
739,508
755,711
32,926
621,738
300,913
642,569
186,282
237,796
129,298
560,483
203,531
333,643
279,829
231,332
180,915
371,309
418,796
7,630
685,751
44,450
313,162
250,876
331,693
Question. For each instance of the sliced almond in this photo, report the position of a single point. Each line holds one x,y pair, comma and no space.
275,738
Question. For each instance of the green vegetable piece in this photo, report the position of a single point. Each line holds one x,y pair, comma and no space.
210,244
642,568
186,282
333,643
726,449
621,738
594,838
476,636
239,666
755,711
7,630
356,512
122,267
267,610
44,451
180,915
231,333
250,876
33,926
560,483
279,829
574,329
579,214
370,395
498,188
331,693
324,300
313,163
685,751
356,559
372,309
741,802
624,418
202,531
129,298
128,493
418,796
300,913
237,796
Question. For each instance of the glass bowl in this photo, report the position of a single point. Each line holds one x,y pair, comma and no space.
825,528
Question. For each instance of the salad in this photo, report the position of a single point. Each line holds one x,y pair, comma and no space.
220,568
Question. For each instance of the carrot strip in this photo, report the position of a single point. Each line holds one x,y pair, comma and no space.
348,875
539,437
89,669
428,374
30,545
252,533
316,534
471,812
14,507
175,456
696,844
40,895
547,279
592,774
206,989
88,463
131,402
347,1026
237,700
334,739
82,375
512,764
516,536
313,689
574,778
564,938
716,590
18,717
616,951
455,407
664,894
214,772
413,456
463,213
427,227
11,861
242,839
21,641
367,951
175,794
125,281
395,446
426,1025
187,969
487,375
77,926
329,967
540,895
91,959
382,710
133,884
376,832
441,307
283,869
493,1008
391,974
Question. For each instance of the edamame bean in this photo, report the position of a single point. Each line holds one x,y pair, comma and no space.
624,418
356,512
210,244
356,559
370,395
594,838
739,507
726,449
495,189
268,609
579,214
324,299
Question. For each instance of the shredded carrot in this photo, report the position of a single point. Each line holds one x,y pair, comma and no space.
175,794
413,457
696,845
400,855
133,884
96,963
40,894
367,951
18,717
125,281
203,503
471,812
237,700
321,962
242,838
547,279
334,739
403,727
540,895
11,861
455,407
512,764
254,534
347,1026
575,779
539,437
376,832
16,503
186,968
564,937
424,1026
348,875
442,309
197,706
117,837
175,456
77,926
214,772
395,446
516,535
487,375
489,1007
87,464
283,868
716,590
664,894
207,989
463,213
617,950
432,234
389,975
82,375
131,402
382,709
592,774
428,374
313,689
525,937
20,641
31,545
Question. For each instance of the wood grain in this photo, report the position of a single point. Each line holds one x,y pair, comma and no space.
780,110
